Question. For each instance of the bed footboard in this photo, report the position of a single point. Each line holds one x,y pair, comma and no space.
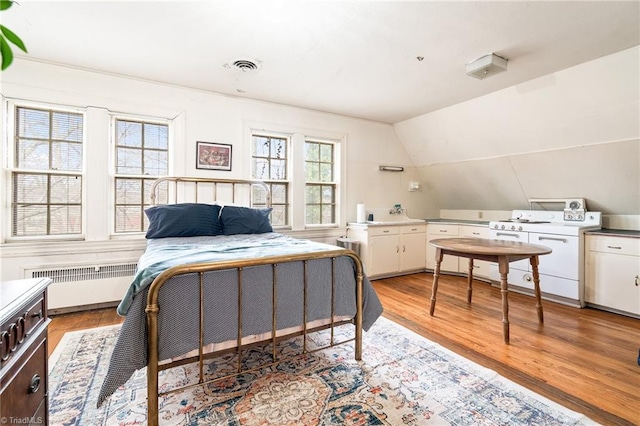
152,310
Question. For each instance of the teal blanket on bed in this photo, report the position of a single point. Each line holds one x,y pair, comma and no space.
163,253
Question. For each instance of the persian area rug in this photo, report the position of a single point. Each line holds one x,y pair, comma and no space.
403,379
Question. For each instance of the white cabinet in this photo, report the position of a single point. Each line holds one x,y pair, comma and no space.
413,247
384,250
480,267
434,231
613,273
391,250
453,263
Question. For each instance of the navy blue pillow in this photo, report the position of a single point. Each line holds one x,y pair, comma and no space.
183,220
245,220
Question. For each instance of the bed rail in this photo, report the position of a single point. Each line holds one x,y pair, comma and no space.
152,310
170,189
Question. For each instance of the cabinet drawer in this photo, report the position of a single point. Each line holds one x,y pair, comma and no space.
24,386
383,230
14,332
414,229
443,230
474,231
615,245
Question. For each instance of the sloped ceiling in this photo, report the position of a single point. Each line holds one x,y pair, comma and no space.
355,58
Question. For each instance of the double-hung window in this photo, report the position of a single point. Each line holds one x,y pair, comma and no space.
141,156
320,182
270,163
46,178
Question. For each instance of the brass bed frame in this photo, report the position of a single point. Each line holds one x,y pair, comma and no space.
172,186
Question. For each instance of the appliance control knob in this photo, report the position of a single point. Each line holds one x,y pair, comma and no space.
513,228
495,226
502,227
519,228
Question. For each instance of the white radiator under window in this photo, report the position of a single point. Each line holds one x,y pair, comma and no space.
85,287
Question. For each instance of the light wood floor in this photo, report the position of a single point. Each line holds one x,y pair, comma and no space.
584,359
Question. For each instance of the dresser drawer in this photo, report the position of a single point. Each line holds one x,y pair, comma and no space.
19,327
23,387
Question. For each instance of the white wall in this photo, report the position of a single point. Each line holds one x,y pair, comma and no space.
200,116
574,133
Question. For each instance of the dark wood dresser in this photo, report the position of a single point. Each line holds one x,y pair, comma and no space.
23,352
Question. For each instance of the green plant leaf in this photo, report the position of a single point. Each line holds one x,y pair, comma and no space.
5,4
13,38
7,54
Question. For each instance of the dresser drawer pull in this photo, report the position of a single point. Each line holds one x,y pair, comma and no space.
35,384
5,340
13,330
22,330
37,314
615,247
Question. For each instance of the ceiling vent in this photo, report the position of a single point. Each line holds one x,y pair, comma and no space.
244,65
486,66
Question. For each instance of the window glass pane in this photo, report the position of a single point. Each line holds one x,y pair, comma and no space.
278,169
129,133
311,151
29,220
278,148
279,194
312,172
32,123
30,188
129,219
312,214
128,191
129,161
260,168
66,190
327,214
279,216
327,194
326,172
32,154
261,146
162,193
156,136
66,156
313,194
66,219
326,153
155,162
66,126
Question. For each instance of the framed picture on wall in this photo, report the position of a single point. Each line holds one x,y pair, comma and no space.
213,156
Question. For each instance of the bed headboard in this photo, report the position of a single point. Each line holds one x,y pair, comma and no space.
177,189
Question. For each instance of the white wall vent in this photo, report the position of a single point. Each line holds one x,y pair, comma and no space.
76,288
85,273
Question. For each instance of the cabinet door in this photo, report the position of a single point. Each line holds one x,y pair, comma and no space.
613,281
413,251
385,252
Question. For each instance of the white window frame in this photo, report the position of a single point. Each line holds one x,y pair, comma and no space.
10,167
297,137
112,165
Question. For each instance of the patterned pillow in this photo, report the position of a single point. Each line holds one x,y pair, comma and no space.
245,220
183,220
